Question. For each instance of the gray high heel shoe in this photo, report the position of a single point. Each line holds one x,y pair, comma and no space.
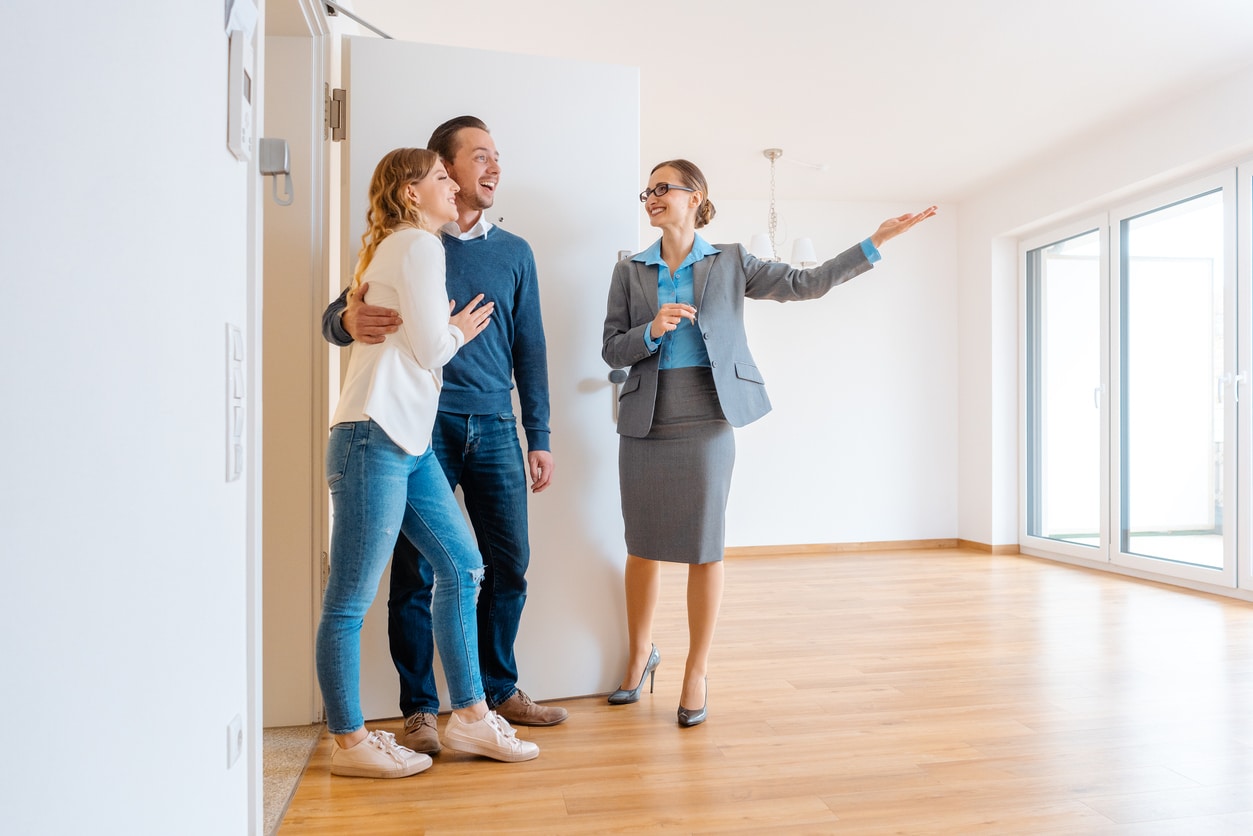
689,717
622,696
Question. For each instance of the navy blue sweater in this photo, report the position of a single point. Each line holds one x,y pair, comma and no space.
479,378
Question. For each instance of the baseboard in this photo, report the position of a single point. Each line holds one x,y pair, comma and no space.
835,548
1008,548
801,549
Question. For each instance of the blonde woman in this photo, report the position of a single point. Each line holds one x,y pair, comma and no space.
384,479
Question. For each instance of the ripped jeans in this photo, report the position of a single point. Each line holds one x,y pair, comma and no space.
378,490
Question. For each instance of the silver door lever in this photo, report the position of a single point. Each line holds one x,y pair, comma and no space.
617,377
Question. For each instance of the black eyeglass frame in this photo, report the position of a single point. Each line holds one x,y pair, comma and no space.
660,189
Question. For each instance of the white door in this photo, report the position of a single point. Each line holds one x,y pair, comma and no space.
568,135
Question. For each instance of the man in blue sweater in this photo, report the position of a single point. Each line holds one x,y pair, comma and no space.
475,439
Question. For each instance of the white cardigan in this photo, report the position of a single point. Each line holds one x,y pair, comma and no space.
397,381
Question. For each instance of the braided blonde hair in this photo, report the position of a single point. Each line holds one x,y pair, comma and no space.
390,205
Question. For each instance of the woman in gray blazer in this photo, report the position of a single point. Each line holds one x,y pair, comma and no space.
675,318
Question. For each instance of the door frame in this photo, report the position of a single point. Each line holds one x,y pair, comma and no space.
310,182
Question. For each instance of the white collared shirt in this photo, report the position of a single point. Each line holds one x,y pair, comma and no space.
480,228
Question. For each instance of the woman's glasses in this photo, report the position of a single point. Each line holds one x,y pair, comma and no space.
660,189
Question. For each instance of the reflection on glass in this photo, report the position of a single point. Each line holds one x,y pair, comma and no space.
1064,373
1172,363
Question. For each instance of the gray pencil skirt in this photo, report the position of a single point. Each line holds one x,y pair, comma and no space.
675,481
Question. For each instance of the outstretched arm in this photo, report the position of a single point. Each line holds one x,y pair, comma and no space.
783,283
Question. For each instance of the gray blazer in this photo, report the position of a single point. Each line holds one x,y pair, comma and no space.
721,282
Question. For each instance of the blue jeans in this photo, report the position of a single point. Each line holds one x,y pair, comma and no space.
379,490
482,454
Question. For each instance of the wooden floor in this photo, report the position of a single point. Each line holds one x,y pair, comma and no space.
919,692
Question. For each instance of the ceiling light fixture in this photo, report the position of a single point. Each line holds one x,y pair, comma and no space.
765,245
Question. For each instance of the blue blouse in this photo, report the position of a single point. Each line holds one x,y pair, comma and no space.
684,346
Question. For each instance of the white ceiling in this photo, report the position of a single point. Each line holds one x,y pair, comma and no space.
902,100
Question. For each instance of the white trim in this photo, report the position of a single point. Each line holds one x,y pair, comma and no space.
322,152
253,551
1244,368
1130,572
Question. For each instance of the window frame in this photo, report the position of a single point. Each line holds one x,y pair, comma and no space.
1236,576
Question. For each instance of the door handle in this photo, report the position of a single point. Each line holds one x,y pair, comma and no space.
1233,380
617,377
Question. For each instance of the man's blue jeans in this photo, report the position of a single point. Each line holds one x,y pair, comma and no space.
482,454
379,490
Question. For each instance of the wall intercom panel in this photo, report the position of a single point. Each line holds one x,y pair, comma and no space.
240,95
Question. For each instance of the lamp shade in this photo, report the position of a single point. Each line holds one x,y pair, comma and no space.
760,247
803,253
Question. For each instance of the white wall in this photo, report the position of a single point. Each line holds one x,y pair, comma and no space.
862,442
1203,131
122,635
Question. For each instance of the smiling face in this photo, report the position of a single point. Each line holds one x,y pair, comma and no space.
675,207
436,197
476,168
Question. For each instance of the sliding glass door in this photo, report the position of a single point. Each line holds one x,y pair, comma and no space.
1064,403
1174,376
1136,326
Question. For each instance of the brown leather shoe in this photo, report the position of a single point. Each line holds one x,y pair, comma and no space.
420,733
521,710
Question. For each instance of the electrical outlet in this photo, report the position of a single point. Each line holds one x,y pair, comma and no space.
234,740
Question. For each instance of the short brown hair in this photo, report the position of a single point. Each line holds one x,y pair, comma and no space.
444,140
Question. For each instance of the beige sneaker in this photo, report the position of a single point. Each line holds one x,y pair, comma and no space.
521,710
378,756
491,737
421,734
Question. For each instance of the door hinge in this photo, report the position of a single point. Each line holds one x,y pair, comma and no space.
336,114
326,572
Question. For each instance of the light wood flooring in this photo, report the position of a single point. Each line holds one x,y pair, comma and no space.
917,692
